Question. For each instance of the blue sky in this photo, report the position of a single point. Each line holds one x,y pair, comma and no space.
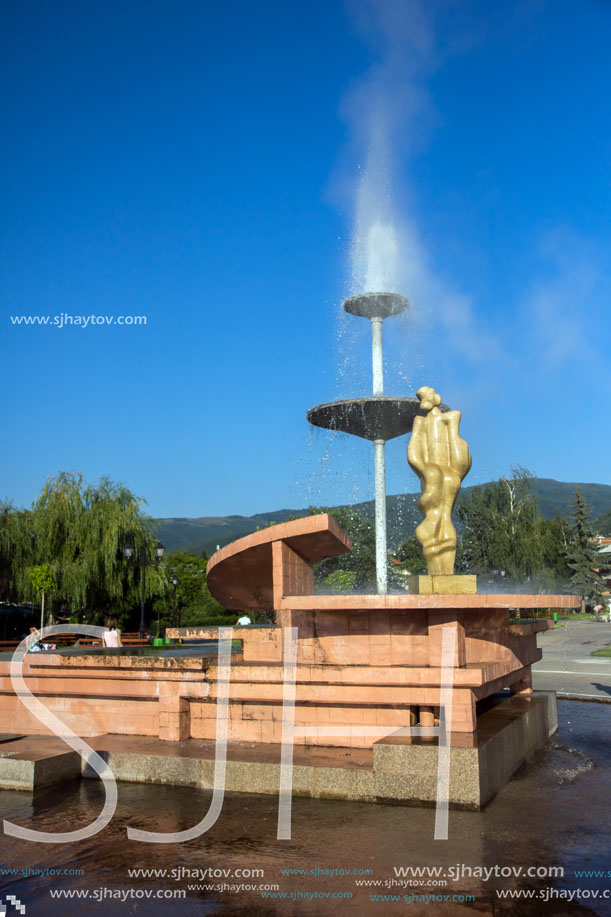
200,164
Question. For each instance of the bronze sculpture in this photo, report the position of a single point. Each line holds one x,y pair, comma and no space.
441,460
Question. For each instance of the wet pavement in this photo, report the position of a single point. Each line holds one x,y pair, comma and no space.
568,667
555,814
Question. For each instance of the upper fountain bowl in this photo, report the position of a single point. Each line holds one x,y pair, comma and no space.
376,305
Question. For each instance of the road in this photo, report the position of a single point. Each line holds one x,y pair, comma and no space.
567,666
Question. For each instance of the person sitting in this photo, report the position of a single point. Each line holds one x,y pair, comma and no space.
32,641
112,636
244,621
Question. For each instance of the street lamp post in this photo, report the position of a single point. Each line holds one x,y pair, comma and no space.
174,581
143,562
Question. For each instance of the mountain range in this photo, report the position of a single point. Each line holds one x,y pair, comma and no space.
206,533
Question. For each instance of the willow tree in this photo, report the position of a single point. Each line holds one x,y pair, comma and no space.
16,552
80,529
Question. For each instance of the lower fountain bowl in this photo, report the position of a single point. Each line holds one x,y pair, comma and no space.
369,418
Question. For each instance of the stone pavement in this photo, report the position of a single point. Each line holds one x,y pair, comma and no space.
567,666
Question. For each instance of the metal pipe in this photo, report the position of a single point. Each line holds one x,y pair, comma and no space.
143,593
379,466
377,361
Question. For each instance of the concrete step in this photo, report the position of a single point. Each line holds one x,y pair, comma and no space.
36,762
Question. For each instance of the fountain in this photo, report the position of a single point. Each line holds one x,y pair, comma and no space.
399,674
362,693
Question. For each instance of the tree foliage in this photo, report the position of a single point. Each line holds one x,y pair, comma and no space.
498,528
503,536
603,524
554,534
196,602
41,578
361,561
79,530
411,555
42,581
582,553
340,582
16,551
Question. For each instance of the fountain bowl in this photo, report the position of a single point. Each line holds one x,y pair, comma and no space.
376,305
370,418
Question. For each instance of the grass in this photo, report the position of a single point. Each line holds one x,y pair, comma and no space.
586,616
603,651
548,616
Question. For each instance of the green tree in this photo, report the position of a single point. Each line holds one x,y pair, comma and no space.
197,604
42,580
554,536
411,555
582,553
16,552
603,524
361,561
340,581
408,560
80,530
190,571
500,530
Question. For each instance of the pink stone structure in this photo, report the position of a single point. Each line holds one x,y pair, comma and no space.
371,662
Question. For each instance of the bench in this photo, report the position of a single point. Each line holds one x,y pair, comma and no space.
62,641
133,639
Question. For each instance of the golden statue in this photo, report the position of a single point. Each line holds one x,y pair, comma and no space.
441,460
